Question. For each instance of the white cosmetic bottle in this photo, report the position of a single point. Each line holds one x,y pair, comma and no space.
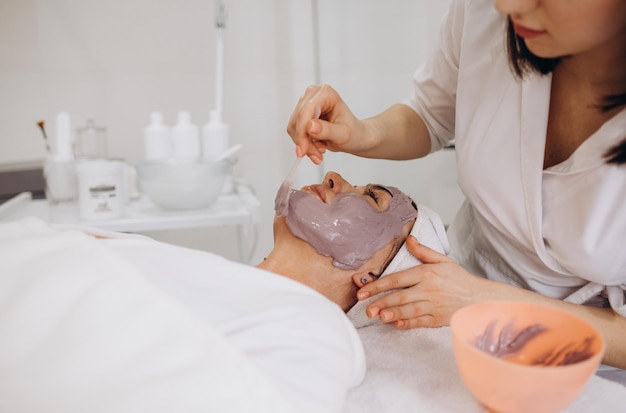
215,140
185,139
156,139
58,169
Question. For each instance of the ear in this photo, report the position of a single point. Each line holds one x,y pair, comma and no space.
362,277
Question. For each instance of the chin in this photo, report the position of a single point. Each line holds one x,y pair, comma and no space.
281,230
544,51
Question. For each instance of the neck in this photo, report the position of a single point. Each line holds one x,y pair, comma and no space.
301,263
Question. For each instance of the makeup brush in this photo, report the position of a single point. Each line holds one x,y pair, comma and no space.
281,202
41,125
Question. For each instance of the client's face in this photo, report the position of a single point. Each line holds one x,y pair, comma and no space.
351,224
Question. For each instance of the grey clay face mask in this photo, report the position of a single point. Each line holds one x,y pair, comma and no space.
348,229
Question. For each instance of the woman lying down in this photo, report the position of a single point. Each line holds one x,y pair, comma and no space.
106,322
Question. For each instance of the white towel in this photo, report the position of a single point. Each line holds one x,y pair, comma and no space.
430,231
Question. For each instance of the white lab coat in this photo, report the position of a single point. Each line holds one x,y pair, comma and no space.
560,232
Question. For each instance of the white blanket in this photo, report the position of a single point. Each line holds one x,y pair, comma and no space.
78,336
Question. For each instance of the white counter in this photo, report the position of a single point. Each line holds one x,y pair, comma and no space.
240,208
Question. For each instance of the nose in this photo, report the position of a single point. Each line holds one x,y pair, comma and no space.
515,8
335,182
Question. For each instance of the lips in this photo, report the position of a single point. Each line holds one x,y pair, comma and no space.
527,33
317,191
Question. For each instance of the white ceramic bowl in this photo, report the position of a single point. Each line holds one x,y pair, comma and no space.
181,185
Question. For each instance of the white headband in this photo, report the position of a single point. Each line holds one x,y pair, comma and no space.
430,231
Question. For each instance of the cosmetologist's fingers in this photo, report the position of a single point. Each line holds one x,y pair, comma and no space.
424,253
300,127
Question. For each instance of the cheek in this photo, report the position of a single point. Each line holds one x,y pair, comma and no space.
382,258
503,6
584,28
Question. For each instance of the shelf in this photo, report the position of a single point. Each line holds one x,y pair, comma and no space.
240,208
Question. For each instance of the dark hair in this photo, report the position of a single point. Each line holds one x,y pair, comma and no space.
523,61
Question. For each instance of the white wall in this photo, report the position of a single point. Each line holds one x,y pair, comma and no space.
369,50
115,61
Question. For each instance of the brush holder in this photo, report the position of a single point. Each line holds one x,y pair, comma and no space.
60,179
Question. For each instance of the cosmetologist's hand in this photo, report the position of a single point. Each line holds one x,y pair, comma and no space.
335,130
427,295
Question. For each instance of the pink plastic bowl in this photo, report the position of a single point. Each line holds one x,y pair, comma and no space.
522,357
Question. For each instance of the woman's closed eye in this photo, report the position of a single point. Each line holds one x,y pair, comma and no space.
372,194
380,196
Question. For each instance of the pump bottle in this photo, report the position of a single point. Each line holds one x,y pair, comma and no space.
157,139
215,139
185,139
58,168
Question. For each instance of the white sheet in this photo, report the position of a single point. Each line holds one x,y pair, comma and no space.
118,324
300,339
415,371
82,331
